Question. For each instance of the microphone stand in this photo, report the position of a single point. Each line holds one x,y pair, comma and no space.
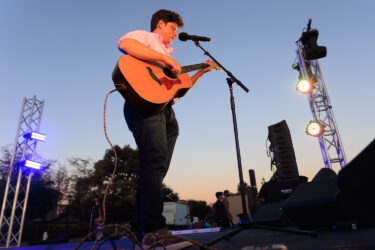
246,221
231,76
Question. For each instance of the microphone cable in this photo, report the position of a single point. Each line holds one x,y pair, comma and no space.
114,151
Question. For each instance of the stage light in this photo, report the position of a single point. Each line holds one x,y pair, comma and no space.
304,86
35,136
315,128
31,164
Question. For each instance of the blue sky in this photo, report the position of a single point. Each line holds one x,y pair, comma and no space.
64,52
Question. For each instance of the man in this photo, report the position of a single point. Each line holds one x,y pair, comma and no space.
155,134
220,214
96,216
226,207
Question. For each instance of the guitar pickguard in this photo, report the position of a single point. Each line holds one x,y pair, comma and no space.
168,83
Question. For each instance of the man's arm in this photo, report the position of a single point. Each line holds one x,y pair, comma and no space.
194,78
140,51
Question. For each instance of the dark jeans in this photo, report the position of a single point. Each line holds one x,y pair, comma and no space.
155,136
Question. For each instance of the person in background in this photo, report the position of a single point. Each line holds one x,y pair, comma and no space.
96,215
226,207
220,215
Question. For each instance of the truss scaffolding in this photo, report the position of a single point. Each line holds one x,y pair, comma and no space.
320,105
18,181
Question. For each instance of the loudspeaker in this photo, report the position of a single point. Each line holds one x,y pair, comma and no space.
328,198
273,191
323,174
356,183
283,152
317,203
253,182
272,215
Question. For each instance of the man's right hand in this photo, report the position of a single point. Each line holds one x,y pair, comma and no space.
138,50
173,65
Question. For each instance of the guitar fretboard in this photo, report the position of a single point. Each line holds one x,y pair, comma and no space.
193,67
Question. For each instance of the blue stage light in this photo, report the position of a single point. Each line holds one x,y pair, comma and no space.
35,136
31,164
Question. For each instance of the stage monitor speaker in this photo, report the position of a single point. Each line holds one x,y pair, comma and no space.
317,203
356,182
272,215
323,174
273,191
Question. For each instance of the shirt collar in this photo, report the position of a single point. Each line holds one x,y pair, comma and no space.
166,46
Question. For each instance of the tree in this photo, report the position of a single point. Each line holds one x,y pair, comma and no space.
81,168
61,179
246,187
263,181
92,182
252,196
91,179
4,167
199,209
43,197
168,194
5,162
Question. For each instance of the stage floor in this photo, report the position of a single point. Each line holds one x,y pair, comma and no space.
328,239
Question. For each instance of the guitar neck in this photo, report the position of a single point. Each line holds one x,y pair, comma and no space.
193,67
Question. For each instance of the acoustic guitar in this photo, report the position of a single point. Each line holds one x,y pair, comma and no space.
149,87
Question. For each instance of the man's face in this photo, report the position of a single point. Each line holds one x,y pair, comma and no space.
168,31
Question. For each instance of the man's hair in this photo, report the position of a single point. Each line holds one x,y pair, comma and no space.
218,194
167,16
226,191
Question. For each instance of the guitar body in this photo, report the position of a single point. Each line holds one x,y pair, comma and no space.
147,87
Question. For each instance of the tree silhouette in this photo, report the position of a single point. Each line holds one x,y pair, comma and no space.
90,180
199,209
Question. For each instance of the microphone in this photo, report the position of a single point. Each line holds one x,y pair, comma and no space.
184,37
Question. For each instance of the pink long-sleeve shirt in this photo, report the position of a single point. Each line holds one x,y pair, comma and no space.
151,40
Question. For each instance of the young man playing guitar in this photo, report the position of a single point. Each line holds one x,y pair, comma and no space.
156,133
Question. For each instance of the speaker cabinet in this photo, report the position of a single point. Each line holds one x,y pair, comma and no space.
356,182
317,203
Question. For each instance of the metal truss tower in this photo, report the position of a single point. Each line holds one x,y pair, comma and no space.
18,182
330,142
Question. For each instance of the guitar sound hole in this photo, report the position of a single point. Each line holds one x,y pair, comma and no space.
168,73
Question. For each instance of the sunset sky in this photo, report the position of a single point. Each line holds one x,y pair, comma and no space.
64,53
